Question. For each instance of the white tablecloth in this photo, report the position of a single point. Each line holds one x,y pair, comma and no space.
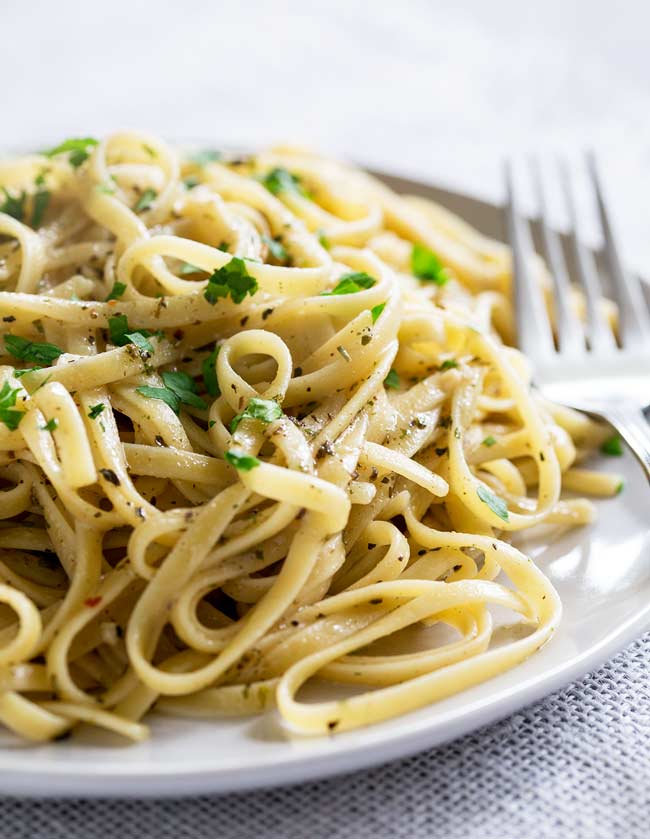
442,90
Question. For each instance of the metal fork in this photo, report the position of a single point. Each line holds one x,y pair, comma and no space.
585,368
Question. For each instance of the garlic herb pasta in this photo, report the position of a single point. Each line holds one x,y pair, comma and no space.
260,422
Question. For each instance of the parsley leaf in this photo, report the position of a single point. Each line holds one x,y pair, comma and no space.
146,200
184,387
209,372
281,180
324,241
117,291
205,156
14,207
232,280
489,441
392,380
613,447
351,283
41,200
496,504
163,393
19,373
242,462
449,364
39,353
190,182
276,249
118,327
78,148
50,425
8,414
95,410
265,410
376,311
427,266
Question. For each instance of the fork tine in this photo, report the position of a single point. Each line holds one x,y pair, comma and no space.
533,328
570,332
634,318
601,337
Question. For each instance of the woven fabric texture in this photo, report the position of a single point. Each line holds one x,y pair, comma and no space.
574,766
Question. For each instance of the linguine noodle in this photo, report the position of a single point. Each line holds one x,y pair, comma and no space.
259,422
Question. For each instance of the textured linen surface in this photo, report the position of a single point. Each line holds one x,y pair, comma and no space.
574,766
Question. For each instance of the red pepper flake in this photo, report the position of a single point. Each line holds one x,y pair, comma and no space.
92,601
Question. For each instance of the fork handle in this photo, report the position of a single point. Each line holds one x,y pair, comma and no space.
631,424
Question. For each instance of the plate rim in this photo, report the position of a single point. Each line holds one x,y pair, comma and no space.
119,781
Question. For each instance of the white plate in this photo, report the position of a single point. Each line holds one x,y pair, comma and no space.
601,572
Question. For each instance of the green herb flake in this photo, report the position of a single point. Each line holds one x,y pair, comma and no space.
281,180
231,280
40,353
118,327
241,462
77,147
117,291
276,249
449,364
191,181
163,393
205,156
39,206
324,241
392,380
351,283
613,447
376,311
496,504
149,150
146,200
265,410
184,386
209,372
96,410
12,206
50,425
489,441
427,266
140,341
620,487
8,415
105,189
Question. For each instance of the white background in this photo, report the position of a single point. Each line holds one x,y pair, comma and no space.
441,90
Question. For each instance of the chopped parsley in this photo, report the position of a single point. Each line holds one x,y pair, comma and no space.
351,283
38,352
242,462
496,504
448,364
205,156
117,291
232,280
118,327
105,189
39,206
613,447
191,181
324,241
276,249
427,266
281,180
77,147
376,311
209,372
489,441
50,425
265,410
8,414
392,380
96,410
180,389
146,200
14,207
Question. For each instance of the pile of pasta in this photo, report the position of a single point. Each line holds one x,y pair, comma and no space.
261,422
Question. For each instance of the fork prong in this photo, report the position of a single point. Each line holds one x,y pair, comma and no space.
600,336
533,328
634,318
570,332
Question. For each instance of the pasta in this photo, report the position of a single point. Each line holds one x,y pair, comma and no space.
260,422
